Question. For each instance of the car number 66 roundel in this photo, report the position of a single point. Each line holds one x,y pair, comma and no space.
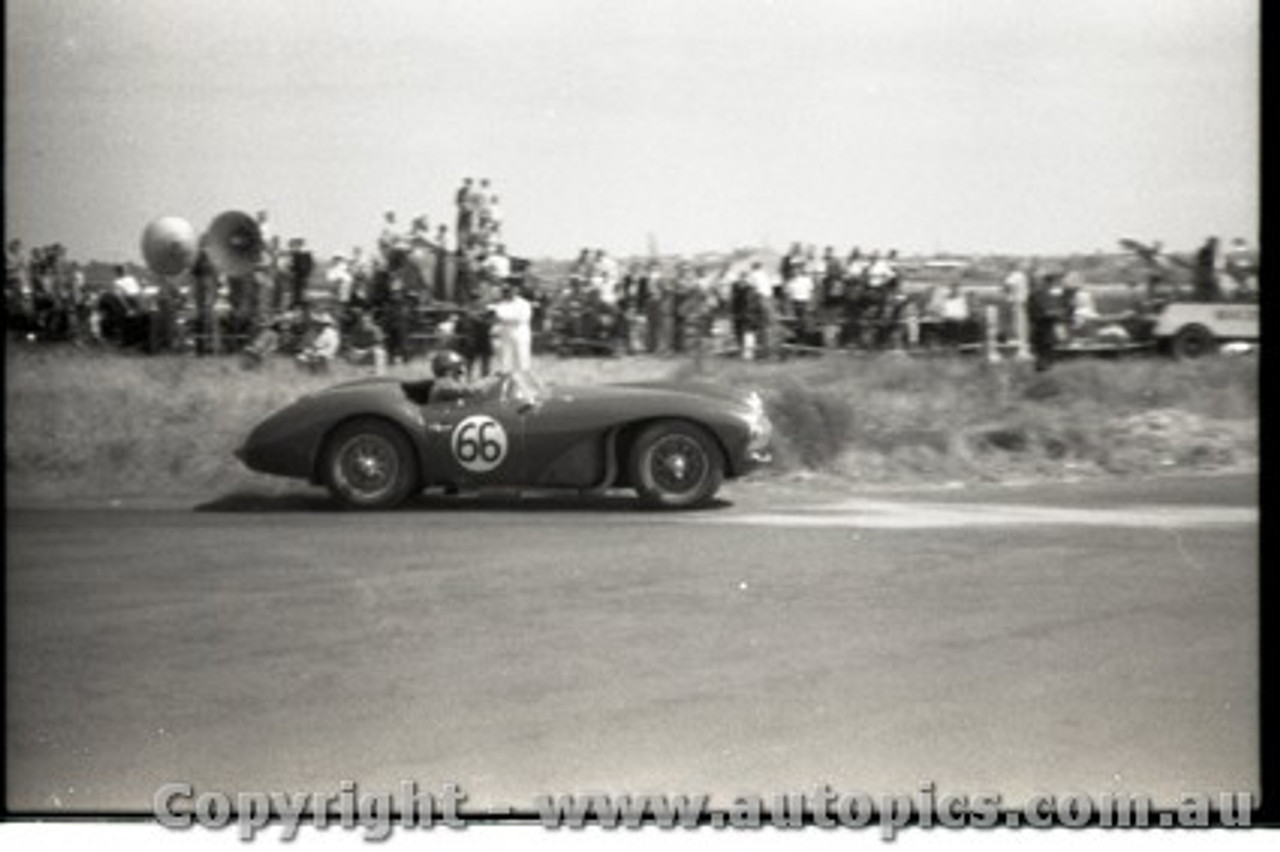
479,443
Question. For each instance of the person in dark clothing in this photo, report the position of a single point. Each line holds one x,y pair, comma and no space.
395,325
832,278
301,264
739,306
474,340
1044,311
1206,273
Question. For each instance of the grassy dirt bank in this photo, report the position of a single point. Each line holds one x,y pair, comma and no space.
83,424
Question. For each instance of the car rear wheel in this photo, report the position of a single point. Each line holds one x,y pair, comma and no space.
1194,341
369,464
676,465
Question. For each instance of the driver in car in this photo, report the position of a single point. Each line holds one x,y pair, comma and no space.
450,383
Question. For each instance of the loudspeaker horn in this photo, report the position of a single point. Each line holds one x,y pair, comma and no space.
169,245
234,242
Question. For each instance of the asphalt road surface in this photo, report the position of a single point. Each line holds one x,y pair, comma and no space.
1073,637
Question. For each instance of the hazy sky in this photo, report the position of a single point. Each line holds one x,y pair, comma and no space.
964,125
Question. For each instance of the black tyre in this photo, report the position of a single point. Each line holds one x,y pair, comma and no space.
369,464
676,465
1193,341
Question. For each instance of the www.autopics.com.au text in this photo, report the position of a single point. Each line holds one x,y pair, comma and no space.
178,805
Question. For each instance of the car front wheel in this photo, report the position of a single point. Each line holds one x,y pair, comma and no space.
369,464
676,465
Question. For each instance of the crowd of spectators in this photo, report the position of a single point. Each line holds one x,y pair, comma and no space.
422,289
46,294
809,300
418,288
679,306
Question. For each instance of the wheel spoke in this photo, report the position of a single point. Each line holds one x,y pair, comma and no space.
368,466
678,464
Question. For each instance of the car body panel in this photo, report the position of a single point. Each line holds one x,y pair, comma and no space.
459,434
1224,320
289,442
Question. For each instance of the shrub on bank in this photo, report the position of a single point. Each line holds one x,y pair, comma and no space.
892,418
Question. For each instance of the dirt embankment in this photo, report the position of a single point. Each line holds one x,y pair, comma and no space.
98,424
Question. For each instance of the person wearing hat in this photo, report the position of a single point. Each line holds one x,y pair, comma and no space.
319,354
338,278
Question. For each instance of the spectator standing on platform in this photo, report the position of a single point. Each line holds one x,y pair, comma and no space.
481,195
464,200
421,259
494,216
391,241
476,201
446,266
497,266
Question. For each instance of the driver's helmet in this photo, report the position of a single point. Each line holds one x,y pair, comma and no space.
448,364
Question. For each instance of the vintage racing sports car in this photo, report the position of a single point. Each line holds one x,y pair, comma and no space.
374,442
